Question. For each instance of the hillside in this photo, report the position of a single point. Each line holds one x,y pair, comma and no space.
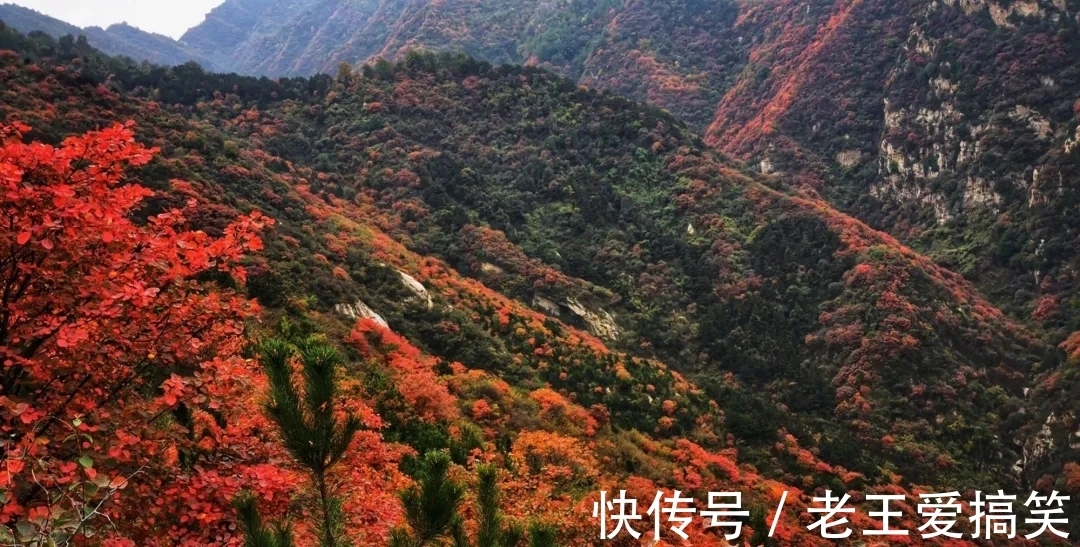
680,55
951,126
694,259
120,39
576,275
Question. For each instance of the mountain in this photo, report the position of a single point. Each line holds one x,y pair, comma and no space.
680,55
950,125
954,127
285,37
685,257
559,281
118,39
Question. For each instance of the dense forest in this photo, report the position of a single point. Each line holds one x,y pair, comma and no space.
950,125
440,300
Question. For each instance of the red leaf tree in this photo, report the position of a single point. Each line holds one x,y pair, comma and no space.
108,342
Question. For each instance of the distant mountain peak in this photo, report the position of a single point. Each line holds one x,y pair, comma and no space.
116,39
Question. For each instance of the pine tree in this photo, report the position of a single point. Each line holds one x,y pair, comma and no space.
432,508
471,438
305,417
492,532
541,535
432,511
256,534
761,528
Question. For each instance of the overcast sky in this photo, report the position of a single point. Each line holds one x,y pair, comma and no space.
168,17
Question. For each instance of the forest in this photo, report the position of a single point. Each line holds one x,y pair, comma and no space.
442,302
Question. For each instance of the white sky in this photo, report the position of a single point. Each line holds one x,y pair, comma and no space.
168,17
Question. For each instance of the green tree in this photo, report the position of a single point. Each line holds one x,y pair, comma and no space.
305,417
432,507
344,73
257,534
761,528
493,531
432,511
541,535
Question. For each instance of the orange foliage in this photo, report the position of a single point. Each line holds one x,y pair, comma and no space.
568,417
789,76
416,378
1072,476
553,459
1071,345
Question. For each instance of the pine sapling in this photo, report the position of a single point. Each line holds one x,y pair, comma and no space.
305,416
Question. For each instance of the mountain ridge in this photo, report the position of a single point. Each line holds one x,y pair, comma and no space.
332,250
116,39
836,355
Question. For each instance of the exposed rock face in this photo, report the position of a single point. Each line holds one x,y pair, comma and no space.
548,306
417,288
849,158
360,310
895,189
766,167
1058,434
1072,142
978,192
600,323
490,268
1040,445
1038,124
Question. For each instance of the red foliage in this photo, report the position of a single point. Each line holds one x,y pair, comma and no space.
1072,345
789,74
416,378
1046,308
1072,476
104,331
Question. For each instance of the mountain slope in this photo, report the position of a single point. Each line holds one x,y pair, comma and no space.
442,361
119,39
621,222
327,261
681,55
812,349
679,309
975,144
275,37
950,125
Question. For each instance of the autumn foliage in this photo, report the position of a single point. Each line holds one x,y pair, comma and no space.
745,336
109,343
